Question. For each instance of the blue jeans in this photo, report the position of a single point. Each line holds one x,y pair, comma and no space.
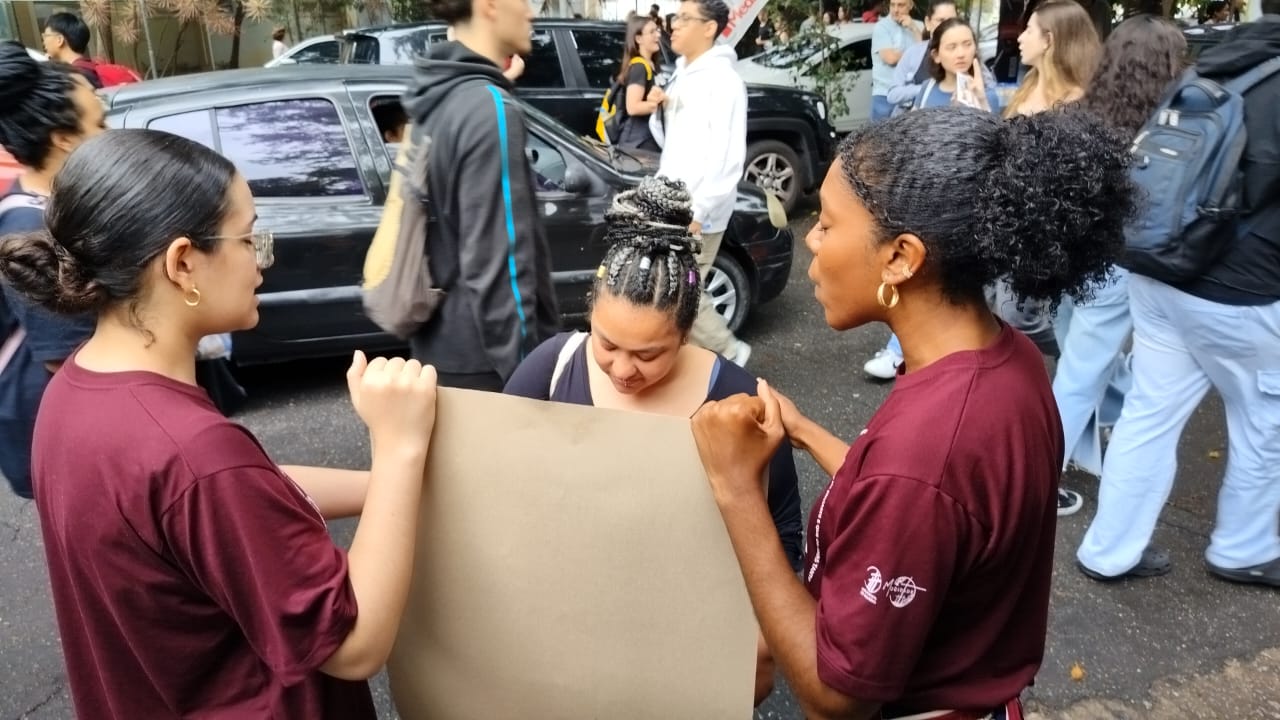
1092,374
881,108
1182,346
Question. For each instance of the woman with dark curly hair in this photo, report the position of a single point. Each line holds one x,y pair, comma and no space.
928,561
638,356
49,108
1140,59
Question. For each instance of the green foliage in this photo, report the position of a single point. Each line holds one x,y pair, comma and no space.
408,10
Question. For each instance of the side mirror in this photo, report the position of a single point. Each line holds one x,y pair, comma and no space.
577,179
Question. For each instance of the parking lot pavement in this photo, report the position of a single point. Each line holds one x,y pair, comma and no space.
1181,646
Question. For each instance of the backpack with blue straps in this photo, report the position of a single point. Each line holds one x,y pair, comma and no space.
1186,160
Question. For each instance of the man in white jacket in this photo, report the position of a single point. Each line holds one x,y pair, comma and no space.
706,145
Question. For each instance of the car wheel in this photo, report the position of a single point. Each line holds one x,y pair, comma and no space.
730,290
774,167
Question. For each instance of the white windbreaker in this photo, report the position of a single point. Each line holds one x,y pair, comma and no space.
706,134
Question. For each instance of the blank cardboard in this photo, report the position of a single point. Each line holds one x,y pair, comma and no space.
571,563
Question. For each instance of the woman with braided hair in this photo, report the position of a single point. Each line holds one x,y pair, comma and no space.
637,356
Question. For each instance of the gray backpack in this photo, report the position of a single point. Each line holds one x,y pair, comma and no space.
398,292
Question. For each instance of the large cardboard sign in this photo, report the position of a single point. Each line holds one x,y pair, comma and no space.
571,563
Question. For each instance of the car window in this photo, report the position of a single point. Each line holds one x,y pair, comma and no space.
289,148
850,58
403,47
361,49
791,54
197,126
542,65
548,164
389,117
556,133
322,52
601,54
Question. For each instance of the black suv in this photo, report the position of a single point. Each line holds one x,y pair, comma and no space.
309,140
789,141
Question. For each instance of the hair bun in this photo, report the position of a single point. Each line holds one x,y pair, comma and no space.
657,201
1059,195
44,271
19,72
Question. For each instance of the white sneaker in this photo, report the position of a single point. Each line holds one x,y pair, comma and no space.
884,365
740,354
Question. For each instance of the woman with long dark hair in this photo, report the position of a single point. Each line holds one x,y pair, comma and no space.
955,70
1142,56
191,575
640,96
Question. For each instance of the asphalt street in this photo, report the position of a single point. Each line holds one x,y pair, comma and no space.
1182,646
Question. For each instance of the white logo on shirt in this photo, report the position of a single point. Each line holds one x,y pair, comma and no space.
872,585
900,591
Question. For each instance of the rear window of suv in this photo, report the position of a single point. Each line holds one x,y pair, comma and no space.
542,65
601,54
390,47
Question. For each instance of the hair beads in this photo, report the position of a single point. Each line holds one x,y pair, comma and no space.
651,252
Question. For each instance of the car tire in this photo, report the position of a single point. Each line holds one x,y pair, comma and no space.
773,166
730,291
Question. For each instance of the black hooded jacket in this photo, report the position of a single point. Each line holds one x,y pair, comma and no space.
485,243
1249,271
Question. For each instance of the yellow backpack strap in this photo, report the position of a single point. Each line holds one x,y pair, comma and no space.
648,69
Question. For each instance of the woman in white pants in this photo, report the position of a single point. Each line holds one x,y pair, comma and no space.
1139,60
1220,330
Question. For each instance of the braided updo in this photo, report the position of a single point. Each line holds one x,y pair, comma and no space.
652,257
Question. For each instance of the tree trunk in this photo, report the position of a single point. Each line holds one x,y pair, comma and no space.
177,47
238,19
108,38
297,22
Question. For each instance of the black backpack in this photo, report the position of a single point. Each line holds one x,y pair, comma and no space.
612,115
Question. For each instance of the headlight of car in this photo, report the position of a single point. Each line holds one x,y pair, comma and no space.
822,109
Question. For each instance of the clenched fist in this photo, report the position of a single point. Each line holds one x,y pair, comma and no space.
395,398
736,438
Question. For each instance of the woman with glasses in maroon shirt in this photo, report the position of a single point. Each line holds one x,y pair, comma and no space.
191,575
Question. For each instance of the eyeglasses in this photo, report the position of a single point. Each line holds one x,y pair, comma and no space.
264,249
264,246
683,19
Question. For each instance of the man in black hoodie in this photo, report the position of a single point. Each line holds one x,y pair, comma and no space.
486,246
1221,330
1249,272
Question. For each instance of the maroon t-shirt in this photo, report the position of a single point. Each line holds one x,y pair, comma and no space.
930,552
191,577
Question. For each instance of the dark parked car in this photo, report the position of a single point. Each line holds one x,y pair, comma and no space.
790,143
1202,37
308,140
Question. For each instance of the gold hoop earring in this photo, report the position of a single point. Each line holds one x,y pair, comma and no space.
892,302
188,300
